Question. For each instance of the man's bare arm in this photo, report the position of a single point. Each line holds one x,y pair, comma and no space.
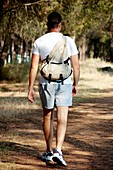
76,72
32,76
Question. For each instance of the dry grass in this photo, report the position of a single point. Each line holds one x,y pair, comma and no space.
89,140
92,81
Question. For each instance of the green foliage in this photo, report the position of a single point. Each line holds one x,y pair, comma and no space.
81,18
16,72
28,18
95,15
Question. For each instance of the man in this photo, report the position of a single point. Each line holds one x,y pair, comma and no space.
54,94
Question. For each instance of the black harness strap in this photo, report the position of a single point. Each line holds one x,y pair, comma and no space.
49,78
66,61
61,78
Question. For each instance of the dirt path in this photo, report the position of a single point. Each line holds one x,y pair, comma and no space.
89,139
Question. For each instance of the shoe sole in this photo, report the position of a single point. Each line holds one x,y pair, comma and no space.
58,161
50,163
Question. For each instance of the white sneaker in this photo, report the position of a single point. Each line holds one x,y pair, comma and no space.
47,156
57,157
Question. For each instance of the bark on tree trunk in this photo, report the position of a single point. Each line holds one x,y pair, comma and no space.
96,48
4,50
82,48
111,46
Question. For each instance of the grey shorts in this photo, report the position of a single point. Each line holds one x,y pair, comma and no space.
52,95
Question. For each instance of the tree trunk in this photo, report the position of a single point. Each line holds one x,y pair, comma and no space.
111,46
4,50
23,44
1,5
96,48
82,48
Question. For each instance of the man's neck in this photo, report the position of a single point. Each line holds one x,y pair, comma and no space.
54,30
57,29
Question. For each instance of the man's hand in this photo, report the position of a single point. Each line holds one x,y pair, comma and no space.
74,90
31,96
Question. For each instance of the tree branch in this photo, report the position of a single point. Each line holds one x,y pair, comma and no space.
4,11
34,3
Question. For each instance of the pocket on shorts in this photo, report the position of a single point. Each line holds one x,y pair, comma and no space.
44,87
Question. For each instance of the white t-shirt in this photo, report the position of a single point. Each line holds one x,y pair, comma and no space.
44,44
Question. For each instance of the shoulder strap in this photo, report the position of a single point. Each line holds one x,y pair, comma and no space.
57,52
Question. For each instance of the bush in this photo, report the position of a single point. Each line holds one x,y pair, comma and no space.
16,72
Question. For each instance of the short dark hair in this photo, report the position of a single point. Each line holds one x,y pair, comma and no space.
54,18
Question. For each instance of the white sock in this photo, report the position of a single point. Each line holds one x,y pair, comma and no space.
59,151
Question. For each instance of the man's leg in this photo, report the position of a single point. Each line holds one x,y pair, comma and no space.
62,114
48,127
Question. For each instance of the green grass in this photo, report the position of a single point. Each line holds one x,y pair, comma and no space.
16,73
